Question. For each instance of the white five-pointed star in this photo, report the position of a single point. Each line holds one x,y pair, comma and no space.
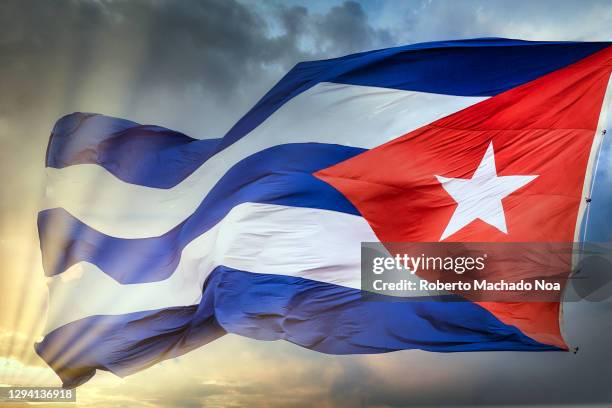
480,197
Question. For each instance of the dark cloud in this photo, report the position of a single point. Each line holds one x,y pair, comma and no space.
219,53
345,29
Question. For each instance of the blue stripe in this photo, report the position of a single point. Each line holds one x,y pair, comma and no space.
478,67
147,155
481,67
125,344
279,175
319,316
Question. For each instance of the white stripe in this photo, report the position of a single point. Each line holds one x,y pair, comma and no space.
327,113
315,244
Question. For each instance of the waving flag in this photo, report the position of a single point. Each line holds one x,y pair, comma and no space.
156,243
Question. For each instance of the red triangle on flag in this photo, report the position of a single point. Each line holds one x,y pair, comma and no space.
543,128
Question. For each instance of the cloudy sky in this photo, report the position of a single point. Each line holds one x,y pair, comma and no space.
196,67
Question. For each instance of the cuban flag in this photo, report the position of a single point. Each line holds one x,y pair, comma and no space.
155,243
